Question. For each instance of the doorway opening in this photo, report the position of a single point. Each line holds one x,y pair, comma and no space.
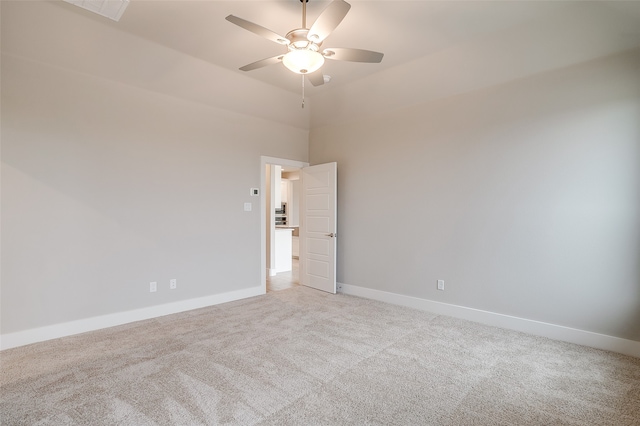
279,206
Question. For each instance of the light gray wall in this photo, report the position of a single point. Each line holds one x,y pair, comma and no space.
524,198
106,188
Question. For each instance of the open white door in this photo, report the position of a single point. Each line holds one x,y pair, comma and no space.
318,227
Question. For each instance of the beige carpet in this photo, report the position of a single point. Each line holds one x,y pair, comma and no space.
303,357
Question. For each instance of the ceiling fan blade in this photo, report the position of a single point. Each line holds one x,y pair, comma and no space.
328,20
262,63
316,78
352,55
257,29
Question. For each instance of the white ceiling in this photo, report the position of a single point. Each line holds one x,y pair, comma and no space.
433,49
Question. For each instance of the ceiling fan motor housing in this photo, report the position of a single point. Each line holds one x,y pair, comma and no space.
299,40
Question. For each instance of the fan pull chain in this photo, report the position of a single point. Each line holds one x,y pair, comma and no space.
302,91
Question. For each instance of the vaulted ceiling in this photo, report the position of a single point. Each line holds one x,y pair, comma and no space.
433,49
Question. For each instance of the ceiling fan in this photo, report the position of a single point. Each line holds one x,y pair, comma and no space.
304,54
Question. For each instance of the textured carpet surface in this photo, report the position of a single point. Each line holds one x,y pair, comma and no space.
304,357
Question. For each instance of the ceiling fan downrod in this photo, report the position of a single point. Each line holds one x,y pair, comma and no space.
304,13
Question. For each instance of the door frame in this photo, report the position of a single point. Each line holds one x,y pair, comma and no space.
264,161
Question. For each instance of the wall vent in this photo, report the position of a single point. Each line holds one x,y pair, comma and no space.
112,9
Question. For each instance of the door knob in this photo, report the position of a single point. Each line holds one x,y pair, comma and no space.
331,235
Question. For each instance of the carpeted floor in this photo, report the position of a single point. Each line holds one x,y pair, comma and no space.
304,357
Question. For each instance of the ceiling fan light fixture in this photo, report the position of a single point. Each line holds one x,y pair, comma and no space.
303,61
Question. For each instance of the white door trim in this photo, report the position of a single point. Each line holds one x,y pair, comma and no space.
264,160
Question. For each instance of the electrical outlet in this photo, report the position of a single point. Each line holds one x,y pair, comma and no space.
153,286
440,284
173,284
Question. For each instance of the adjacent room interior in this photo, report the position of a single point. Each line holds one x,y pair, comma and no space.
488,205
283,192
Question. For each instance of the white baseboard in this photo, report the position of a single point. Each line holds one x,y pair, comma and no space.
552,331
26,337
